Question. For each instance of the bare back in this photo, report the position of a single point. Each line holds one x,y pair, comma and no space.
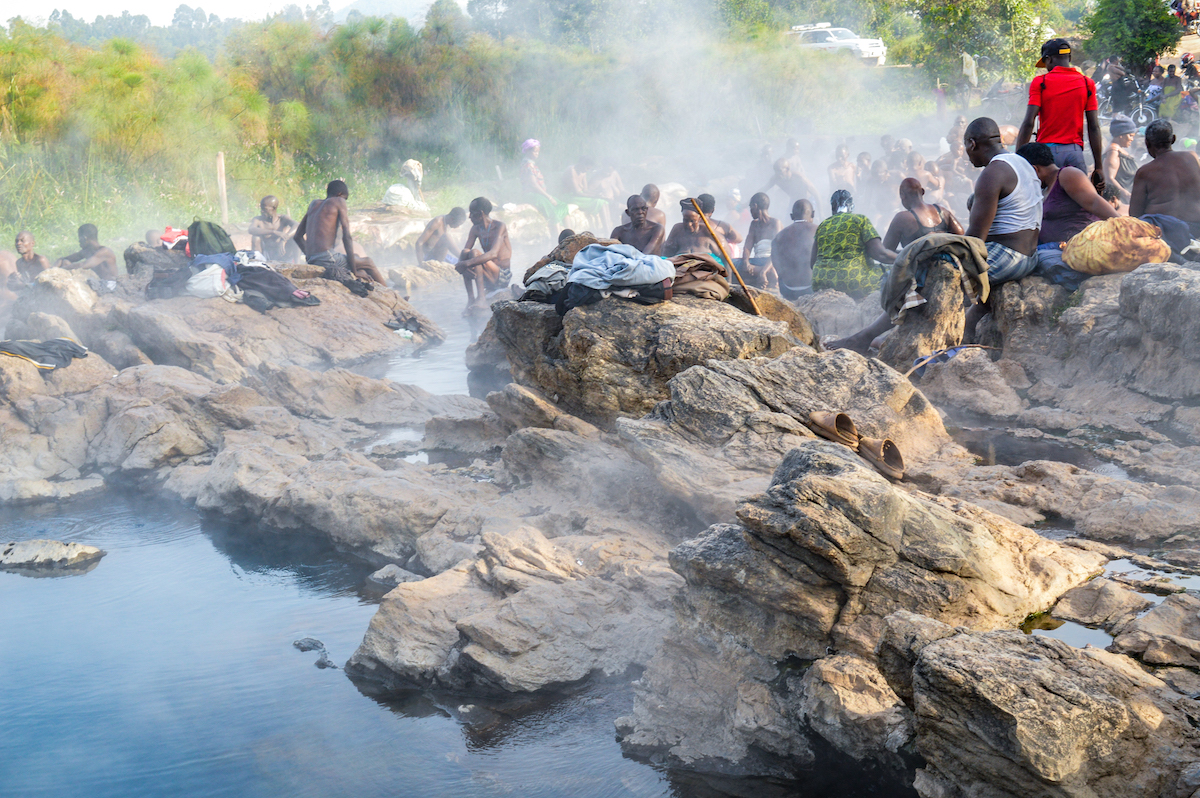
1170,184
791,252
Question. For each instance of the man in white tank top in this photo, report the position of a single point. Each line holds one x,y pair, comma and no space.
1007,209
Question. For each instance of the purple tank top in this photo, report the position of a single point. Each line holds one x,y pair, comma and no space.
1062,217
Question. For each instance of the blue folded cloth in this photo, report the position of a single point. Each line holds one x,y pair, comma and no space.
618,266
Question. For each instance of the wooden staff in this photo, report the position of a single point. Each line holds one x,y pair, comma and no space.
725,255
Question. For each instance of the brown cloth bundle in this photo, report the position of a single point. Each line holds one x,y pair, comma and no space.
566,251
700,275
1111,246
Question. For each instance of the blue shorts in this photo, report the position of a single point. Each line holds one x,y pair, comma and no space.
1006,265
1068,155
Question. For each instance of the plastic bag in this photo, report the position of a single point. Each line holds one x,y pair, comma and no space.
207,284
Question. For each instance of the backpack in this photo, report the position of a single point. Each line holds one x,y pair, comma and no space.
208,238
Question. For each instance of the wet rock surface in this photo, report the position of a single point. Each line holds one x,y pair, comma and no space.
48,557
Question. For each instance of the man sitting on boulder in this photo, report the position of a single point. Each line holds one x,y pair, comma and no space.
271,231
317,236
1170,184
487,268
690,237
640,233
435,242
91,255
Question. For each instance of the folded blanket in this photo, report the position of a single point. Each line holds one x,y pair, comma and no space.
566,250
967,253
618,266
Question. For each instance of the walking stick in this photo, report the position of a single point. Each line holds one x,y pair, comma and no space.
725,255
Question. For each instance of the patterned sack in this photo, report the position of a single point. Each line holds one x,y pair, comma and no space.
1115,245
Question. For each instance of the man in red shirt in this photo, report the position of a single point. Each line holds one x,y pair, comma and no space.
1060,101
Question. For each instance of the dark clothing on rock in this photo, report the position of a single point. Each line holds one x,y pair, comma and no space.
46,355
335,264
967,253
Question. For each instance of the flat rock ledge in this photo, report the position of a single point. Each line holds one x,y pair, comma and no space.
48,557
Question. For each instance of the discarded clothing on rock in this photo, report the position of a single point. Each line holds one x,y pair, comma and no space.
576,295
263,289
968,254
46,355
543,283
223,259
605,267
700,275
168,283
1176,232
1116,245
565,252
251,257
208,283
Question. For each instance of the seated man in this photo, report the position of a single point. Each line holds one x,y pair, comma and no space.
435,242
690,237
708,204
640,233
791,252
270,232
757,270
29,264
317,236
91,255
1170,184
918,218
487,268
650,194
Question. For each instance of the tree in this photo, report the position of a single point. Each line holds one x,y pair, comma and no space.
1137,30
1008,32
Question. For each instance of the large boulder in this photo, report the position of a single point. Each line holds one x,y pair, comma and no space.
816,565
614,359
1023,716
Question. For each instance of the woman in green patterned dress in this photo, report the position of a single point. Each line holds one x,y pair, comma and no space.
841,248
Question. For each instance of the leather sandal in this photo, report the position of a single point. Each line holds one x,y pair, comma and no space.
884,455
836,427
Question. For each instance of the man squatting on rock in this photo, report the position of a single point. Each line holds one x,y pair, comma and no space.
489,267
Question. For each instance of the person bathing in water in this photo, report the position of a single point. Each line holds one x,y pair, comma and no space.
435,242
487,268
317,236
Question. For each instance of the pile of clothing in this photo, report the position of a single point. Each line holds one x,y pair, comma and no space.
243,276
901,289
701,275
600,270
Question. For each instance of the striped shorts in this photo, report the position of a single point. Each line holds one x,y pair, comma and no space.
1006,265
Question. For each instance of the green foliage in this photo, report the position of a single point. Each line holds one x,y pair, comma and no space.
1137,30
1009,33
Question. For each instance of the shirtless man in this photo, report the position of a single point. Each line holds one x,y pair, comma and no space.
154,239
918,218
842,171
708,204
270,231
757,270
435,242
796,167
1169,184
29,264
91,255
640,233
690,237
317,236
791,252
651,194
488,266
793,185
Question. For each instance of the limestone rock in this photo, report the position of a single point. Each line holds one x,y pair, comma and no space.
522,407
1101,602
1015,716
819,562
391,575
142,261
971,382
834,314
614,358
48,556
936,325
847,701
904,635
1169,634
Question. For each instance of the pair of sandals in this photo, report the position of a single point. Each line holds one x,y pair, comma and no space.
881,453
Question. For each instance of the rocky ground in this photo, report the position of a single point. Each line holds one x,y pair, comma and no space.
646,496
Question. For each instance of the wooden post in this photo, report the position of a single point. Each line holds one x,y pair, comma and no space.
221,193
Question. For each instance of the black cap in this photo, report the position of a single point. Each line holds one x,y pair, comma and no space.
1052,48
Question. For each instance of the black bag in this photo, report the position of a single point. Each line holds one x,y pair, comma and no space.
168,283
209,238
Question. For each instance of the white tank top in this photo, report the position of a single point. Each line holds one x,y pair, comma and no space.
1022,208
